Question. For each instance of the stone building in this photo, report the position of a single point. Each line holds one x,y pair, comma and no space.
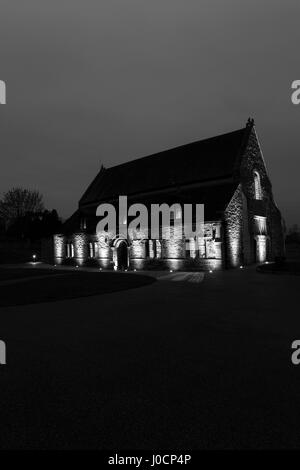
226,173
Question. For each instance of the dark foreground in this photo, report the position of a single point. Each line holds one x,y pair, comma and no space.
169,365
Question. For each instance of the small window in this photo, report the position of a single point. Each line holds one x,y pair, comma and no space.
187,248
260,225
257,186
70,250
92,251
190,248
152,248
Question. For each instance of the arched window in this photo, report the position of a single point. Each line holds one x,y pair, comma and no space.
257,186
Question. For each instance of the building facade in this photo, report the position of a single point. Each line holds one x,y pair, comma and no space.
226,173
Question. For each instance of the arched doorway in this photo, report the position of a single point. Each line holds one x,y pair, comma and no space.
122,255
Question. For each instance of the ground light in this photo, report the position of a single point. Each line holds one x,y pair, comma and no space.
210,271
171,270
241,267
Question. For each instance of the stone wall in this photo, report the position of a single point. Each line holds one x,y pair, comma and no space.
265,207
173,254
233,217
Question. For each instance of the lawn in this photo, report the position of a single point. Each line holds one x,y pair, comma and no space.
65,285
7,274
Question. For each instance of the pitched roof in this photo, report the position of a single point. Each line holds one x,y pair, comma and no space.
205,160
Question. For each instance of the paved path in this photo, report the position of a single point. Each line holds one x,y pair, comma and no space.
181,277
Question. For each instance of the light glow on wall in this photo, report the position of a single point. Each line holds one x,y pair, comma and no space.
260,225
261,248
257,186
138,249
137,264
234,251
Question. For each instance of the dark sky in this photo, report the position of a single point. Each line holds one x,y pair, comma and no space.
106,81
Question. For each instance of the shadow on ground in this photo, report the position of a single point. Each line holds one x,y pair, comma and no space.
49,286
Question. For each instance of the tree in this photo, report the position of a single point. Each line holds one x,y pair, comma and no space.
34,226
17,202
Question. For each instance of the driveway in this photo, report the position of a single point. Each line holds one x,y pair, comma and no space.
188,365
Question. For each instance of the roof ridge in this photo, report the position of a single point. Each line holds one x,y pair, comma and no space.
177,148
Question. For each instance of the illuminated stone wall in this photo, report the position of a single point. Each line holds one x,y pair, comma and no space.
233,234
59,245
171,254
137,249
174,247
47,250
81,247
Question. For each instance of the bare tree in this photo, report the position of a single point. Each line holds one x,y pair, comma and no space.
17,202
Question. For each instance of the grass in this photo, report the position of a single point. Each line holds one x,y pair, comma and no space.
67,285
